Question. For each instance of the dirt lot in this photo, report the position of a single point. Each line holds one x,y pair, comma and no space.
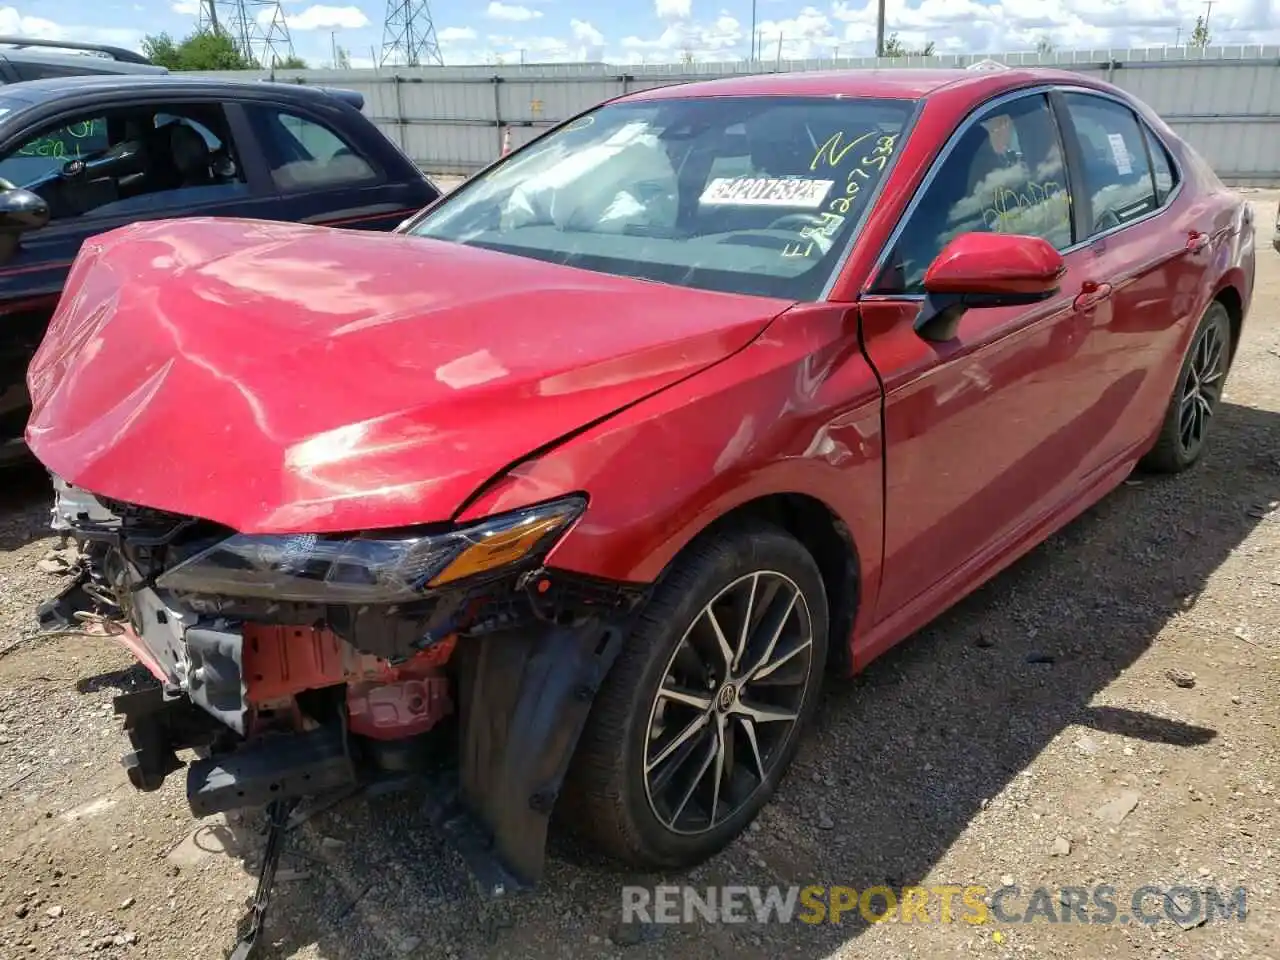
1132,662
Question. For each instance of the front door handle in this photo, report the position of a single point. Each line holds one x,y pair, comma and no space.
1091,292
1197,241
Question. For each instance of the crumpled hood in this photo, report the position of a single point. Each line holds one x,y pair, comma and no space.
284,378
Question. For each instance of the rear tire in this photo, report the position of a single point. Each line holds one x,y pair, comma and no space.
1185,430
690,736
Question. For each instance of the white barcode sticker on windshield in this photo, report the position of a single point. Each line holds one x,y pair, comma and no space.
766,192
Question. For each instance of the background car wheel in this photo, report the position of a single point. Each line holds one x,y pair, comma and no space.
701,714
1195,398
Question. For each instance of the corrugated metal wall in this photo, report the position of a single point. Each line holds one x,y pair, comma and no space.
1224,100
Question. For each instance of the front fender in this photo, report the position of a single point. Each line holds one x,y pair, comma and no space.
796,412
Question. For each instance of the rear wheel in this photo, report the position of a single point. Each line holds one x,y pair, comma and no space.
1195,398
701,714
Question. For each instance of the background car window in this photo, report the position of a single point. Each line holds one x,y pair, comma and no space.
304,153
1117,176
135,161
43,154
1161,166
1004,175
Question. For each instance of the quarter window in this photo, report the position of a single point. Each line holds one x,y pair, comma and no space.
1005,174
1117,176
1161,167
304,153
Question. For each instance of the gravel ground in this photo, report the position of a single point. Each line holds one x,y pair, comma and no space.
1130,666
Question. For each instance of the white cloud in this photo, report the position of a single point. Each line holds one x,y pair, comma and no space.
321,17
584,32
187,8
455,34
673,9
16,24
511,12
846,28
13,23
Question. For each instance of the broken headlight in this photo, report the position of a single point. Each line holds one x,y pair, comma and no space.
374,568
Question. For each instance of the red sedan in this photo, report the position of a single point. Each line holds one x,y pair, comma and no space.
578,484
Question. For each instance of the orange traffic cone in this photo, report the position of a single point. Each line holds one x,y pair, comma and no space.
506,140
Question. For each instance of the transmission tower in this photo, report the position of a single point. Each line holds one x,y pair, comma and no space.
409,35
257,28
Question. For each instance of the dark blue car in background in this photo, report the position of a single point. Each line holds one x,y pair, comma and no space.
81,155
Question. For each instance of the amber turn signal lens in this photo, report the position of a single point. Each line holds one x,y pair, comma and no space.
499,549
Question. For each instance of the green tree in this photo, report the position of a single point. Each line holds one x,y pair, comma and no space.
342,58
1200,34
291,62
894,47
202,50
160,49
1044,46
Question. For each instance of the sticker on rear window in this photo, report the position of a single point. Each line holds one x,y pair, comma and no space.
1120,153
766,192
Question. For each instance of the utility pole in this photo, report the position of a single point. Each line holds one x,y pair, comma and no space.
753,31
880,29
1208,9
409,35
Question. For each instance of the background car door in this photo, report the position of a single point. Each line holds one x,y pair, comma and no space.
1154,255
983,433
187,165
322,175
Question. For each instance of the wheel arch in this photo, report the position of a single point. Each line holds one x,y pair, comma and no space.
1228,294
829,541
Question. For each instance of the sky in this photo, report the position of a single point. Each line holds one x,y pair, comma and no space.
658,31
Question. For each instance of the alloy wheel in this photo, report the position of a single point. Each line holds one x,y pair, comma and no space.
1202,387
730,697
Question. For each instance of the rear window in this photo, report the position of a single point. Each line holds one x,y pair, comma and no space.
757,195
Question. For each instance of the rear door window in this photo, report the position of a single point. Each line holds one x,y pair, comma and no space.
304,153
1117,175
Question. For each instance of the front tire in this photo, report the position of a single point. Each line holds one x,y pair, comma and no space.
702,713
1185,430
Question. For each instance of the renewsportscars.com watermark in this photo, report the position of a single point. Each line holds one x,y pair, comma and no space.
971,904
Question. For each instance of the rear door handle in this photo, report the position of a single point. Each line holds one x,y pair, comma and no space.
1197,241
1091,292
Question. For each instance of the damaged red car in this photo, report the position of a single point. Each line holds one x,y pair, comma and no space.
572,490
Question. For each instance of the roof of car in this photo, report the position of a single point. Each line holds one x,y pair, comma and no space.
40,91
910,83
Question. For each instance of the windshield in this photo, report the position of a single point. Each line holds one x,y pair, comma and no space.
756,195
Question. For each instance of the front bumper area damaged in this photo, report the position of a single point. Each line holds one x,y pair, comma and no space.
451,660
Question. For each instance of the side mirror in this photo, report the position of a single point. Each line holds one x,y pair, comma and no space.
21,210
986,270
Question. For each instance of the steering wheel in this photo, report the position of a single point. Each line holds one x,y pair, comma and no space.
803,219
1107,221
781,242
